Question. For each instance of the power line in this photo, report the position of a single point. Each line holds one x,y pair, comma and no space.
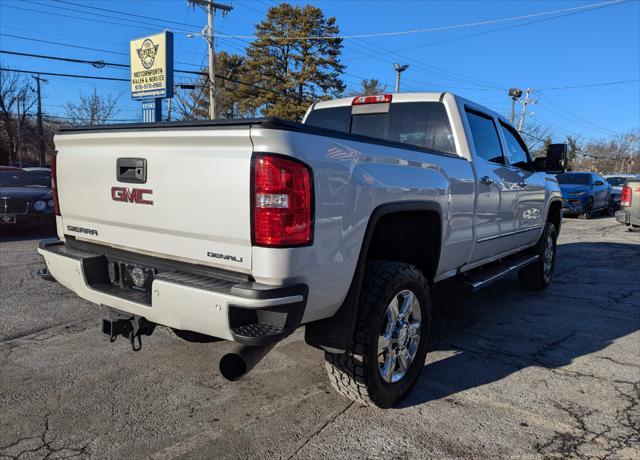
134,21
127,13
75,17
439,28
84,47
590,85
499,29
97,64
55,74
226,36
62,44
94,77
573,117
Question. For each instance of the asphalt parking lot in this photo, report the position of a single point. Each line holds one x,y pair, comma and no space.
511,374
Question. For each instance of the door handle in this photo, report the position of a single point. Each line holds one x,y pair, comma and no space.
486,180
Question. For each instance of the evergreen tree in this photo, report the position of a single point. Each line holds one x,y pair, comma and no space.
194,103
300,70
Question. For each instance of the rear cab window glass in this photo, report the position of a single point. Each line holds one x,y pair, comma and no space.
485,137
336,118
516,149
421,124
370,124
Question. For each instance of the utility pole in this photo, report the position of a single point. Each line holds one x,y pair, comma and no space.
207,34
41,147
17,98
524,103
399,69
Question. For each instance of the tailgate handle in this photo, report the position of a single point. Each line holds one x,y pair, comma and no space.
131,170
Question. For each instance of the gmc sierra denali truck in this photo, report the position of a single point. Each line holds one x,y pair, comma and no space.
243,230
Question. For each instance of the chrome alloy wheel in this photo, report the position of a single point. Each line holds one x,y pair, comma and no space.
399,336
548,257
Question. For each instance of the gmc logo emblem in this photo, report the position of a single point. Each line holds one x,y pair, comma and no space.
133,195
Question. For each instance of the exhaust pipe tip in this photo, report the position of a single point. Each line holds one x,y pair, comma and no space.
233,366
237,363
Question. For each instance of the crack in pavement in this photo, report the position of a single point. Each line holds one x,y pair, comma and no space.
320,429
583,441
44,447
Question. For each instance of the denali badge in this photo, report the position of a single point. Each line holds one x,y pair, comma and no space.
86,231
216,255
133,195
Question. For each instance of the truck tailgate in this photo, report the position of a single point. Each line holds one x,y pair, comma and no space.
194,204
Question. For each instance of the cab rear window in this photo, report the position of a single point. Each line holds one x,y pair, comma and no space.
422,124
336,118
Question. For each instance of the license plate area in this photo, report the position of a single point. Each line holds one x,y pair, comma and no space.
7,218
132,276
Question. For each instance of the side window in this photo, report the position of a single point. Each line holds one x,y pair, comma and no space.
424,124
336,118
516,148
485,137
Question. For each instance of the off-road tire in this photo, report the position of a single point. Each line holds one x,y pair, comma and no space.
355,374
533,276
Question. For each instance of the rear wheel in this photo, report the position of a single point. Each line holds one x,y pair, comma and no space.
538,275
390,338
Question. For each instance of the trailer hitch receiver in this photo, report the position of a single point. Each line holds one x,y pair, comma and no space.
129,326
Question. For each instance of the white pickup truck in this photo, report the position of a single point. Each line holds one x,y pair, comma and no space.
244,230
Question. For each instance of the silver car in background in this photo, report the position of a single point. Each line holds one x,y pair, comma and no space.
617,181
629,213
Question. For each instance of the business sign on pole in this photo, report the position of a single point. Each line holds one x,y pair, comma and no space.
152,66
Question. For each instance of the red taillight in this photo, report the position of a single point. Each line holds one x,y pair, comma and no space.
54,184
377,99
282,202
625,198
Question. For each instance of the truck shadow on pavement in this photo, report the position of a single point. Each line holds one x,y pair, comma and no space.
593,300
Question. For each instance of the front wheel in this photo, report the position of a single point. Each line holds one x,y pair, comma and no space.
588,210
538,275
390,337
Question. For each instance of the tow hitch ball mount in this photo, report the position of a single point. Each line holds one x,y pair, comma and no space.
128,326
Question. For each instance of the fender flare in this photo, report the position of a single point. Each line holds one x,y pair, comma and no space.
551,202
335,334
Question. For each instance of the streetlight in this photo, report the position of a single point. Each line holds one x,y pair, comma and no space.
399,69
515,94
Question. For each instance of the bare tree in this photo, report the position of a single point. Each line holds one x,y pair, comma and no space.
16,100
537,137
615,154
92,109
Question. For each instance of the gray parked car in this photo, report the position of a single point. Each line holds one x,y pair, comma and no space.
629,213
617,181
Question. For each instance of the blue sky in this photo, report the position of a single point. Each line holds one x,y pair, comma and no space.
478,62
